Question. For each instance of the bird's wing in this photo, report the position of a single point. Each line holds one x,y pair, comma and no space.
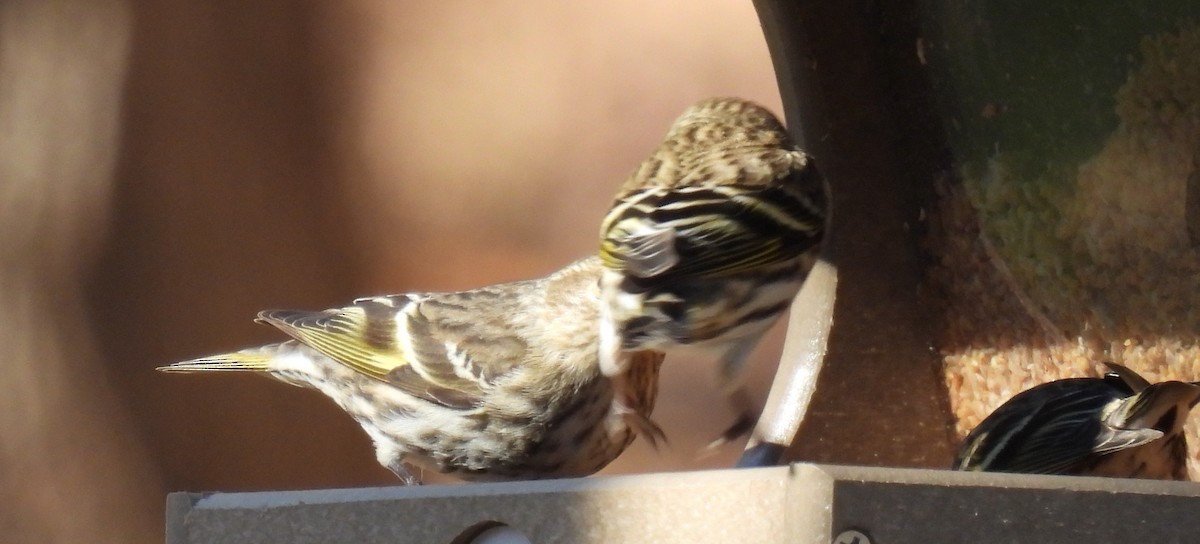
709,230
1046,430
726,191
1113,440
1124,422
447,348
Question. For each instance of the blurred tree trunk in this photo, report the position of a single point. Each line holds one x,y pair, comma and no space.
70,470
225,205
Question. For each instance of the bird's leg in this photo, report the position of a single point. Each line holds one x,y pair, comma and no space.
626,407
729,380
614,363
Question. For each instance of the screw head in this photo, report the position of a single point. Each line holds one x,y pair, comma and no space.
852,536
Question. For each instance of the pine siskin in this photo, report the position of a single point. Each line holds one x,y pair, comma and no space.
495,383
1118,426
708,242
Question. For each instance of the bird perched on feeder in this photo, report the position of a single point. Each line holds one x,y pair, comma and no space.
1118,426
707,244
496,383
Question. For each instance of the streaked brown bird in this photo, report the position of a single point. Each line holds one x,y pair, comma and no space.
1118,426
708,242
496,383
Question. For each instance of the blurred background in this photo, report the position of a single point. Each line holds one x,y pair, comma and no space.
169,168
1016,201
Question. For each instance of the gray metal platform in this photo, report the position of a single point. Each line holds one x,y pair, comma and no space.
796,504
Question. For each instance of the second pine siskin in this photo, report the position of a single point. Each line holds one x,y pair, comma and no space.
1117,426
497,383
708,242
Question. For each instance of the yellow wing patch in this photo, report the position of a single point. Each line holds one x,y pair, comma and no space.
349,336
370,338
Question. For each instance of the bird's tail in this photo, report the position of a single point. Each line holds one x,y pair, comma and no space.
251,360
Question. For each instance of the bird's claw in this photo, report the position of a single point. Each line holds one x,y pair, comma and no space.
646,427
739,428
628,411
739,399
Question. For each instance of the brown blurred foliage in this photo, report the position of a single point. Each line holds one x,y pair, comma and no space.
169,168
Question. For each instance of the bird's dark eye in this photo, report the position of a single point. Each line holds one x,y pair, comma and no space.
1167,421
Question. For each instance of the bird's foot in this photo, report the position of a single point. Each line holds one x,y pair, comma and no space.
739,399
625,407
